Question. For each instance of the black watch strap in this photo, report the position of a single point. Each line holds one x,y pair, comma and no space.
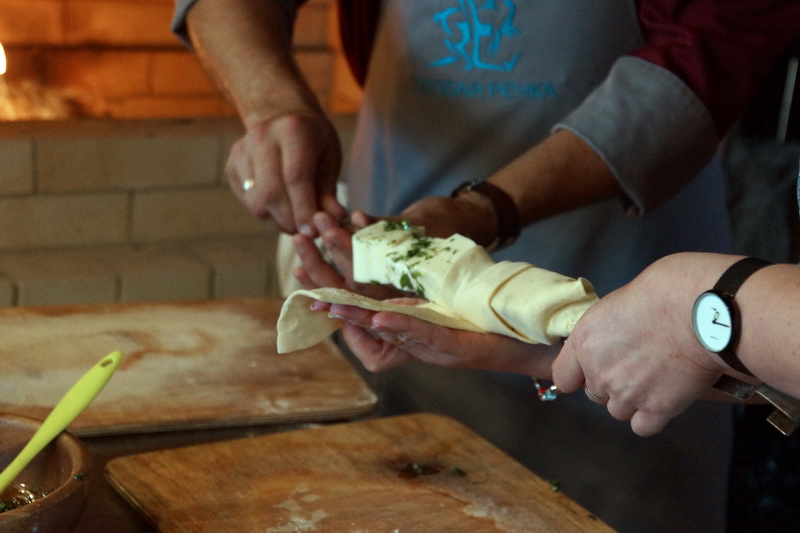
508,222
729,284
737,273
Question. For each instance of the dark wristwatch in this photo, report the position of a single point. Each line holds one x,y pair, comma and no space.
508,224
715,316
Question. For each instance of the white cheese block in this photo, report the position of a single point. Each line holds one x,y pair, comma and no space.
372,244
401,255
512,298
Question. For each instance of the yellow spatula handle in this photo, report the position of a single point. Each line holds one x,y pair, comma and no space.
71,405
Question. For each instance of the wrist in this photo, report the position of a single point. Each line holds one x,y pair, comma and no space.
500,217
716,318
478,221
673,284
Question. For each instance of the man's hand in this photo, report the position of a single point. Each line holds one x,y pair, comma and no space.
286,169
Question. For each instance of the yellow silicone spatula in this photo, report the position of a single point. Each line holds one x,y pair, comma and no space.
71,405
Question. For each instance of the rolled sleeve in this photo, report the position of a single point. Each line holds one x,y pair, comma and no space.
649,127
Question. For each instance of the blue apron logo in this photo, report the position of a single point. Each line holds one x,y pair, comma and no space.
475,43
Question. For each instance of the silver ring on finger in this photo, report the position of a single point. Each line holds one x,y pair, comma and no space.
596,398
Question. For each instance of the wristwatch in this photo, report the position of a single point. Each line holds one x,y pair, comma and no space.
715,316
508,223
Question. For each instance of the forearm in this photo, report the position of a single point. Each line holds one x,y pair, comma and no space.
245,46
769,347
769,308
559,174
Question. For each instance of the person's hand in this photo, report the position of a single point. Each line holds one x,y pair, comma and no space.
635,351
440,216
383,340
470,215
315,271
286,168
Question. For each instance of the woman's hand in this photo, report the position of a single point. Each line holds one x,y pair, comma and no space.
382,340
316,271
636,352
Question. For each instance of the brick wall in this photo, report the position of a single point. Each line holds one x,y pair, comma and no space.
132,207
118,58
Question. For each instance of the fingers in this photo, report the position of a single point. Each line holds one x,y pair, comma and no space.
598,398
315,271
375,354
338,242
330,168
360,219
619,408
568,374
253,172
646,424
287,169
306,166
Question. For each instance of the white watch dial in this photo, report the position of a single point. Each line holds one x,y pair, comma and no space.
712,322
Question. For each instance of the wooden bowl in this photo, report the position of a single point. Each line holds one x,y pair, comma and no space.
60,470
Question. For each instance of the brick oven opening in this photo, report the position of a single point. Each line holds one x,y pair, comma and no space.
75,58
29,100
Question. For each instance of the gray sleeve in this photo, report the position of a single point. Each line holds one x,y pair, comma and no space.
182,7
652,131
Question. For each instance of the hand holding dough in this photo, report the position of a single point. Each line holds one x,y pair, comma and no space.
466,289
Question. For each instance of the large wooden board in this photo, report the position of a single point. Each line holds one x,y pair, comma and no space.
413,473
186,365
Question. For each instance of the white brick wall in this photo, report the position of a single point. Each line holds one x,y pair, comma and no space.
108,210
103,211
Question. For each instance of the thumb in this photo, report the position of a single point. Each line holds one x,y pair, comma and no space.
646,424
360,219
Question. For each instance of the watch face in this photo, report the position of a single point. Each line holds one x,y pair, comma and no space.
712,321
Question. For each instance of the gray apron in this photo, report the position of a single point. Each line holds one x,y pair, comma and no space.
456,90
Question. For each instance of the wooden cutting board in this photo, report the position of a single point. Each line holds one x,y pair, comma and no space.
186,366
413,473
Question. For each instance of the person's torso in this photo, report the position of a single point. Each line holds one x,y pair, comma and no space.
458,88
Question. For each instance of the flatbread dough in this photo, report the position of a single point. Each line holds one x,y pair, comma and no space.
473,293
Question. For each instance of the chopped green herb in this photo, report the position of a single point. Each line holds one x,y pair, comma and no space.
555,485
456,471
420,248
405,282
394,226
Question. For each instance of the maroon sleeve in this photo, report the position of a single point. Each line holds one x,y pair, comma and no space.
721,49
358,21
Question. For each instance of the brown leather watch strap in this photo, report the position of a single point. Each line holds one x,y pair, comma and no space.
508,222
